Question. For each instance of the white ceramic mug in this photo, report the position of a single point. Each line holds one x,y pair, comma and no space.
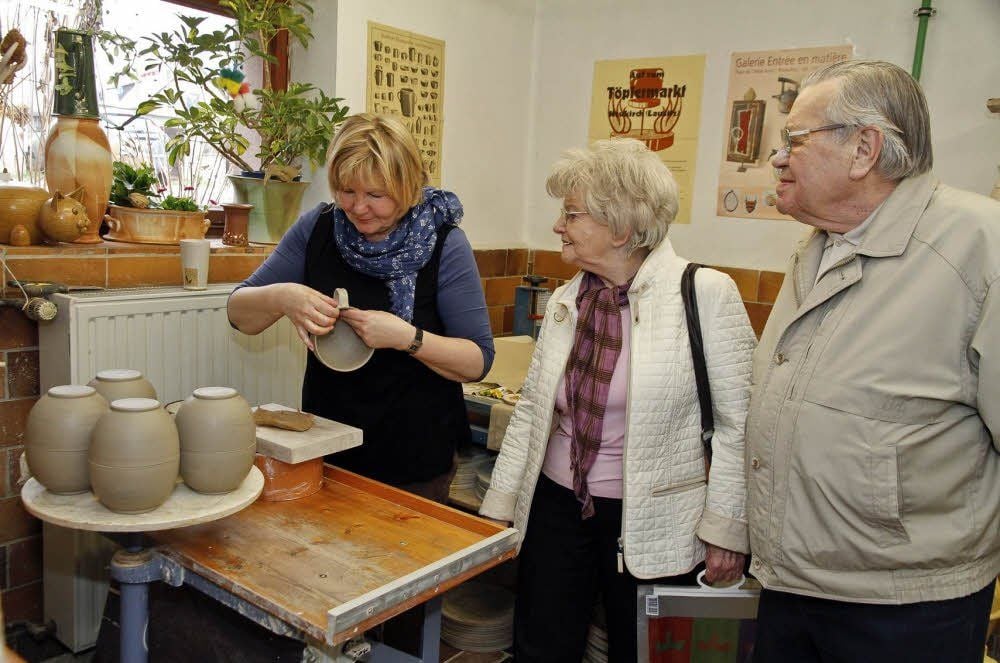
194,263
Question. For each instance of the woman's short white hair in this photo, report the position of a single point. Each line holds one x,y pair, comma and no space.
623,184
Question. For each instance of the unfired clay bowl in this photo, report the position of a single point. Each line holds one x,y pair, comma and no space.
118,383
57,437
342,349
218,439
134,456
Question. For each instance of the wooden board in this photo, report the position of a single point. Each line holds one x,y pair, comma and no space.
289,446
338,562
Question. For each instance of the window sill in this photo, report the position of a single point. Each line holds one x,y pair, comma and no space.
123,265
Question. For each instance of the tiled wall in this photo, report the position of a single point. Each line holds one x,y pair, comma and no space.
116,266
501,271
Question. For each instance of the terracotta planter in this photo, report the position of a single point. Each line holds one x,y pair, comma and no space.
134,456
19,206
118,383
57,437
276,205
154,226
218,439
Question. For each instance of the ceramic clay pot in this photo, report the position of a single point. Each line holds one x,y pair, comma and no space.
118,383
57,437
134,456
218,439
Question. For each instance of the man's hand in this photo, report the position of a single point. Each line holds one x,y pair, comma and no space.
722,566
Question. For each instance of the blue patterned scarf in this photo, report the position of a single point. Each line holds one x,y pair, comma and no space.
409,246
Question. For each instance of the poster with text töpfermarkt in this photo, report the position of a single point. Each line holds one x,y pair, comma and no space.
655,100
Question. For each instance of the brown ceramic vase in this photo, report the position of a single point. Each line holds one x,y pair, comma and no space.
134,456
57,437
237,224
218,439
118,383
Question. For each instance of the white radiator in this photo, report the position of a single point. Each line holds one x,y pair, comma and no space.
180,340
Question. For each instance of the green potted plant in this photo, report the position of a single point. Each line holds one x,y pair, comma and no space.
290,127
133,215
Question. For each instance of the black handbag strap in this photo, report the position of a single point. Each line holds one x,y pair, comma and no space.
698,356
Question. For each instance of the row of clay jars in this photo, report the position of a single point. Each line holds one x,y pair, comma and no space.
218,439
59,427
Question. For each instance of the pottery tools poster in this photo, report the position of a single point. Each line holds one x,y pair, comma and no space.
657,101
406,78
762,87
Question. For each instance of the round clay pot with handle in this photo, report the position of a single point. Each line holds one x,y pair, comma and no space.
134,456
115,383
218,439
57,437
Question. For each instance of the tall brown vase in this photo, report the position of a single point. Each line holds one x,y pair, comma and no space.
77,152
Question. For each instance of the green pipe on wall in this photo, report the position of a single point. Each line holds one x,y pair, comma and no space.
923,16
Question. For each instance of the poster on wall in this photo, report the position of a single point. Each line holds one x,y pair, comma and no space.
762,87
657,101
406,78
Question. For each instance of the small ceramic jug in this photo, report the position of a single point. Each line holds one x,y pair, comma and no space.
134,456
115,383
57,437
218,439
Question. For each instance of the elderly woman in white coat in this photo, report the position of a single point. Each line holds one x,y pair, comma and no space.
602,467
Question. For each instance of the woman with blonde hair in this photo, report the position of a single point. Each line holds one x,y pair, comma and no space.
415,296
602,466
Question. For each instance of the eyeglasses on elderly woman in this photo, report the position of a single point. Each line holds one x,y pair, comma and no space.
567,216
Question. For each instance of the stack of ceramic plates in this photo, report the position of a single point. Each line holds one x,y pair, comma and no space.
483,474
597,638
469,462
477,617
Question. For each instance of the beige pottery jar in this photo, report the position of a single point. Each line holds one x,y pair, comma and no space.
115,383
218,439
57,437
134,456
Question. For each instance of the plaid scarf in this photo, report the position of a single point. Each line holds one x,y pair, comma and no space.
596,347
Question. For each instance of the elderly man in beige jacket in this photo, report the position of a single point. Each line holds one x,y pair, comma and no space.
873,439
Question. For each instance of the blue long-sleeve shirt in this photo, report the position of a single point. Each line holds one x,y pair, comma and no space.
460,300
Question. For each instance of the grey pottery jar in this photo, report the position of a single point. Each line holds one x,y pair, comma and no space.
57,437
218,439
134,456
116,383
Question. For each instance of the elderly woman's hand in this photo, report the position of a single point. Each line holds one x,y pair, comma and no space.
310,311
380,329
722,566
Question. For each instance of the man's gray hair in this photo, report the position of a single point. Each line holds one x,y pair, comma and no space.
622,184
881,94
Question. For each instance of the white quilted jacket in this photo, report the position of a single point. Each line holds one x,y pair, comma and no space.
668,511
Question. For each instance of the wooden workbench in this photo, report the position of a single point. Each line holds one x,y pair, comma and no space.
331,565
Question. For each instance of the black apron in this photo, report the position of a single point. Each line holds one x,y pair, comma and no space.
413,419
